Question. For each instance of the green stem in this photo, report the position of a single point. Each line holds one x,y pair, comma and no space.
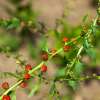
82,78
36,68
11,88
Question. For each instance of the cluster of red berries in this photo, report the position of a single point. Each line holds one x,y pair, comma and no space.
27,76
5,85
66,47
44,54
28,67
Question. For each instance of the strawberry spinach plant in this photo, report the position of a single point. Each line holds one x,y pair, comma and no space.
69,50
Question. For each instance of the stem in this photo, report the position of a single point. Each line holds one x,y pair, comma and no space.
82,78
11,88
36,68
79,52
61,49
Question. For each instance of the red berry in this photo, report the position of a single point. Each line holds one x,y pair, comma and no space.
44,55
66,48
28,67
27,76
5,85
23,85
65,39
6,97
44,68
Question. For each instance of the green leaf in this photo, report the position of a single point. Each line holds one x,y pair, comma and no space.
86,44
14,23
73,84
13,95
78,69
60,73
91,52
89,49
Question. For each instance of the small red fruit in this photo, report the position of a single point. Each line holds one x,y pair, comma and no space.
44,56
23,85
43,68
28,67
27,76
65,39
66,48
6,97
5,85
